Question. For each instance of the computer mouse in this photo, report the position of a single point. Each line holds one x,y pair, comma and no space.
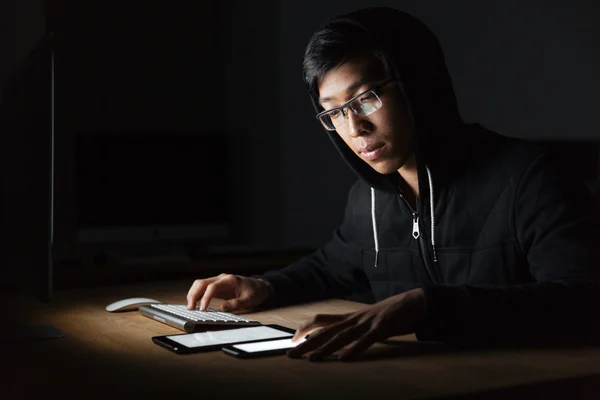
130,304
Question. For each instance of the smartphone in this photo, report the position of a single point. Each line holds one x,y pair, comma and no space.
188,343
263,348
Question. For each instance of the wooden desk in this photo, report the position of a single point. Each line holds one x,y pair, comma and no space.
108,355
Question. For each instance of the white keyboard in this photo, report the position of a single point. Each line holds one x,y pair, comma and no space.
210,315
180,317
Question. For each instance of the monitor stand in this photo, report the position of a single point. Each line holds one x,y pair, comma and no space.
18,326
30,333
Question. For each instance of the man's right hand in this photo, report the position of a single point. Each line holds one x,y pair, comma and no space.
241,293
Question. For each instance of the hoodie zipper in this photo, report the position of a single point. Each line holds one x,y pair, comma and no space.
415,231
417,235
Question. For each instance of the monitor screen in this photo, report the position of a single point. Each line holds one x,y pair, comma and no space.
165,185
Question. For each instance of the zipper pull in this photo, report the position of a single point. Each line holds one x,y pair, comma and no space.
415,231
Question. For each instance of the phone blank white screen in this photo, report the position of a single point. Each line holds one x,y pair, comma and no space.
229,336
266,346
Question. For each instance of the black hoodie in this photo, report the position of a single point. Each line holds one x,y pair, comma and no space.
508,253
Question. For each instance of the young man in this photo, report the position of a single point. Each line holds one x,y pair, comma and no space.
456,233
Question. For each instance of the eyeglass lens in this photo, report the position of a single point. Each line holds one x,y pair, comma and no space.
363,105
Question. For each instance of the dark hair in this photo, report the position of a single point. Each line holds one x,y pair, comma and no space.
334,44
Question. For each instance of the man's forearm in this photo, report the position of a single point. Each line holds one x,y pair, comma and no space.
533,312
299,283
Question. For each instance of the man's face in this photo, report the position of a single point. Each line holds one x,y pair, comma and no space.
382,139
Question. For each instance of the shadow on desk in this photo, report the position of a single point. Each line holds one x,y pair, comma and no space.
582,388
408,348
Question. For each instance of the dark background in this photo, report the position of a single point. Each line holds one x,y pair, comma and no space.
232,69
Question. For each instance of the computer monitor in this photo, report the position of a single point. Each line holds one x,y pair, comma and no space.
27,156
27,126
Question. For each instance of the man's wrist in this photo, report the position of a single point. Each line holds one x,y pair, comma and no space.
269,292
418,297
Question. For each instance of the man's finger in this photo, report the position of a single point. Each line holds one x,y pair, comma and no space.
338,341
360,346
318,339
319,321
195,292
208,295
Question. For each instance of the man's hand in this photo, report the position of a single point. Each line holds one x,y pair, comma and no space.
240,292
397,315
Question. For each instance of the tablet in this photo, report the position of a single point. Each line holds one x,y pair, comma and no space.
187,343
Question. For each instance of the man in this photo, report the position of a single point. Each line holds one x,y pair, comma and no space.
457,234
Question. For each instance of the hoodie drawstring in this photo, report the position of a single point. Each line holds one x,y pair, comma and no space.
374,220
432,210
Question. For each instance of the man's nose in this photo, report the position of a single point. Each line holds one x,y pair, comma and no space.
356,124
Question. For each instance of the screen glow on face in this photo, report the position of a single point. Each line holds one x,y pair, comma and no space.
266,346
202,339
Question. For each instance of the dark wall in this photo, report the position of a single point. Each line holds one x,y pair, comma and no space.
22,26
252,116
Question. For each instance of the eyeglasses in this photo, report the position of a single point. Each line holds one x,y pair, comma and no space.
361,105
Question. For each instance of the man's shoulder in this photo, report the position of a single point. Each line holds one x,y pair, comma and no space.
509,153
359,189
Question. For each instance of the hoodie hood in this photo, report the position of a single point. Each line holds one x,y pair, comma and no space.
416,61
